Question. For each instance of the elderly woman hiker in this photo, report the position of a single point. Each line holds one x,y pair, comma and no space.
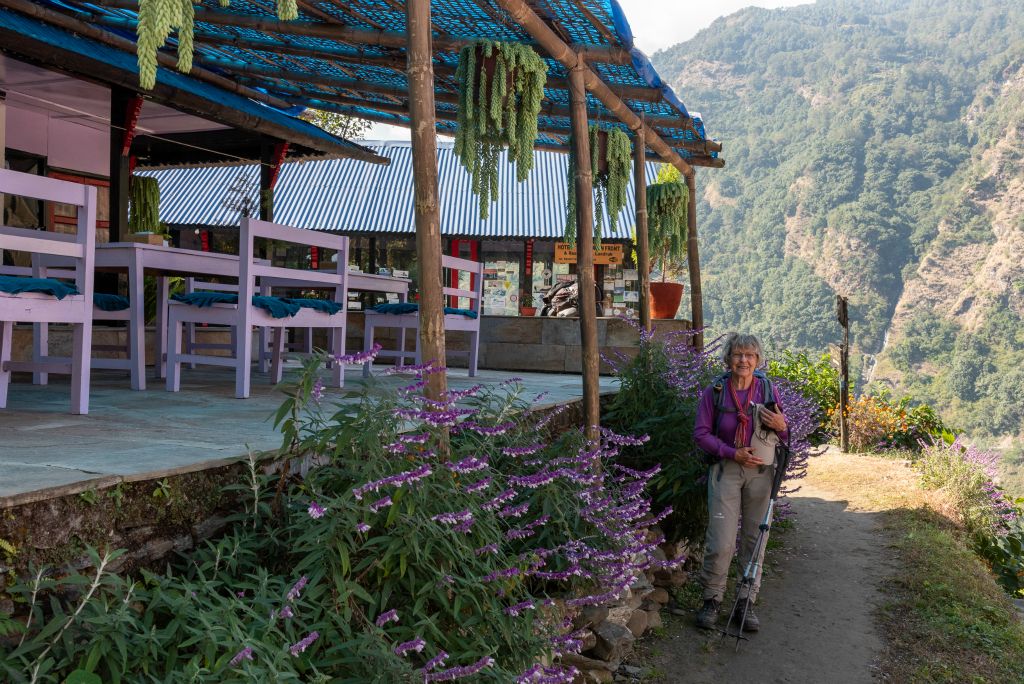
733,426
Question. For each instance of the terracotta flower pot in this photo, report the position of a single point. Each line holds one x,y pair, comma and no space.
665,298
527,311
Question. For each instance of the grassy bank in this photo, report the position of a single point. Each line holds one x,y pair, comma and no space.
946,619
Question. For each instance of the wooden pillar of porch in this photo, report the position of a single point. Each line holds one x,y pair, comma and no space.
427,211
266,179
693,261
120,174
643,252
585,250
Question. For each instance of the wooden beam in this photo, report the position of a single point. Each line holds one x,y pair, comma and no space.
693,261
594,53
643,252
585,254
238,66
427,210
524,15
77,26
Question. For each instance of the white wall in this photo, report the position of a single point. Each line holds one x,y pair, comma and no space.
65,144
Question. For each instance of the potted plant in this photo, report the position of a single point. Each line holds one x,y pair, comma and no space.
500,89
668,201
526,307
144,210
611,162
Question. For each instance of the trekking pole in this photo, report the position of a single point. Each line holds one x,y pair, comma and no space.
753,566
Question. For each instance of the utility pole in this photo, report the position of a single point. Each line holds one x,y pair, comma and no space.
844,372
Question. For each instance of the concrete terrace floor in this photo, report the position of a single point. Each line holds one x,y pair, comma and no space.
128,436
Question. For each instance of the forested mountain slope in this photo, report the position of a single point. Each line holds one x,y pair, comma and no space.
873,149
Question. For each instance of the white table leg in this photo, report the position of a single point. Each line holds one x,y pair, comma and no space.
137,323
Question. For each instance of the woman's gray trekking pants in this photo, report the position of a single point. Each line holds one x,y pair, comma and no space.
733,490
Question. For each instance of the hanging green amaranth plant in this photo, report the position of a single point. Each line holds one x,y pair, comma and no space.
500,89
158,18
144,204
667,205
611,162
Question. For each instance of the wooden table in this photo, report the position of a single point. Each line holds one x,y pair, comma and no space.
139,260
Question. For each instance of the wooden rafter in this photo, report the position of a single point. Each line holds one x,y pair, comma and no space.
564,54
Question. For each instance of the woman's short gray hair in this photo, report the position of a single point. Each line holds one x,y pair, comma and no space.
741,341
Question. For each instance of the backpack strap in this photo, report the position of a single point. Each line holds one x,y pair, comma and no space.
718,386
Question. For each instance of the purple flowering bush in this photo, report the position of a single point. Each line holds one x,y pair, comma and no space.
428,541
994,521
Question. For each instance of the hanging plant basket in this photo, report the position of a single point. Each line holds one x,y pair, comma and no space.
667,207
159,18
500,89
611,162
143,205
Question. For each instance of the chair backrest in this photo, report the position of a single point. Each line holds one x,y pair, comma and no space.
252,267
475,268
81,247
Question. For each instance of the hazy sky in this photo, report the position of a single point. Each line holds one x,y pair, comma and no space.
656,24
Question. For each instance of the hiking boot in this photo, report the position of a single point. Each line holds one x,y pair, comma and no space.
750,621
707,616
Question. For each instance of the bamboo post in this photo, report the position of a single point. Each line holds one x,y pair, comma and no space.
585,250
643,253
428,215
693,261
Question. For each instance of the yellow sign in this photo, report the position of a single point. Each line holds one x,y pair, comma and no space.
608,254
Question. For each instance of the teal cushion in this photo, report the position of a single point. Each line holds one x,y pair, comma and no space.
323,305
110,302
411,307
275,306
50,286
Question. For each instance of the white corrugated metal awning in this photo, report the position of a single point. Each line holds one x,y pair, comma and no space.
351,196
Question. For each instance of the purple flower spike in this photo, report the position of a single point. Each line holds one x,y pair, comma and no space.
301,646
287,613
381,503
297,588
316,511
436,661
360,357
244,654
362,527
460,672
318,390
416,645
386,617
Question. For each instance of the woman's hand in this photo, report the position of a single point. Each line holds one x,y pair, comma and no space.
746,457
774,419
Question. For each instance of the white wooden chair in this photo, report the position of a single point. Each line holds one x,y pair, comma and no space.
41,331
452,321
243,315
35,307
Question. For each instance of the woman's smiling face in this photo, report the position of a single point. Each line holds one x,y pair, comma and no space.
743,361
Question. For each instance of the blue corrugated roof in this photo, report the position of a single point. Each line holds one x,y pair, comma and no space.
308,67
346,195
41,32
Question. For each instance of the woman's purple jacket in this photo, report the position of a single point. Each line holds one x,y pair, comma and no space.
720,445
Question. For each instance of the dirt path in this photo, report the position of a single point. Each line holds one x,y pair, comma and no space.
817,598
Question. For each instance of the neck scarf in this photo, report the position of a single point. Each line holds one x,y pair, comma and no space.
742,417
